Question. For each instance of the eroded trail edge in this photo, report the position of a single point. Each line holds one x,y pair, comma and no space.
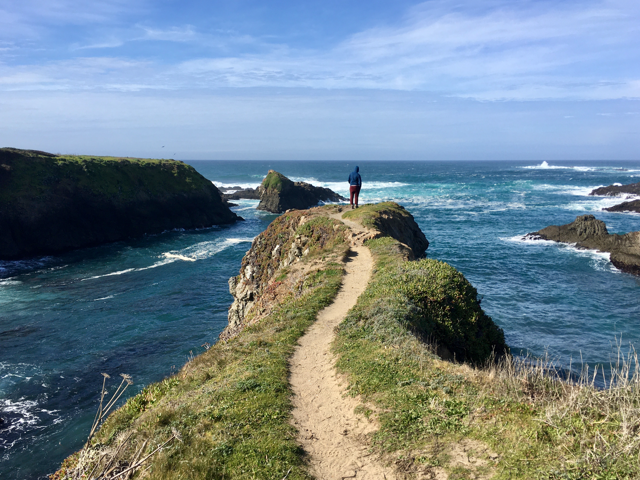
328,429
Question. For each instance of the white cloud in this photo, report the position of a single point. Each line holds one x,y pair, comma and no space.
500,50
173,34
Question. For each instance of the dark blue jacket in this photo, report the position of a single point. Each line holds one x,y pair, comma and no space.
354,177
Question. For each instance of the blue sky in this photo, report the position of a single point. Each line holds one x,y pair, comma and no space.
241,79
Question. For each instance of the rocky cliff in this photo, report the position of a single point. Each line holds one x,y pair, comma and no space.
279,194
270,267
52,203
590,233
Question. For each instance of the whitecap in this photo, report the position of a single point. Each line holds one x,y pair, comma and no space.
243,186
120,272
104,298
600,261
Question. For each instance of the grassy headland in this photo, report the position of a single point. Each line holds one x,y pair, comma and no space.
503,419
228,410
52,203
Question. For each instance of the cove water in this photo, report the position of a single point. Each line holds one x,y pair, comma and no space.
144,307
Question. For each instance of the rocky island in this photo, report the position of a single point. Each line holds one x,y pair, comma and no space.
619,190
590,233
277,194
53,203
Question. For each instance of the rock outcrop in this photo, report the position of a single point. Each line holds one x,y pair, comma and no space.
393,220
299,234
632,206
51,203
590,233
617,190
240,193
279,194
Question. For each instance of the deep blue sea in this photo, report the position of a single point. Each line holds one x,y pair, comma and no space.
143,307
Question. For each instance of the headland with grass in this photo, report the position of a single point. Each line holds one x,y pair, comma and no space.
480,414
54,203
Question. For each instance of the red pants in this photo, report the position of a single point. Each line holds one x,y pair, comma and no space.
354,190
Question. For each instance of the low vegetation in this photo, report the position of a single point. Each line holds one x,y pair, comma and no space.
275,181
508,418
229,407
33,173
226,414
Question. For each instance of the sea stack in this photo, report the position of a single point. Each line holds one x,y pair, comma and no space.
53,203
279,194
589,233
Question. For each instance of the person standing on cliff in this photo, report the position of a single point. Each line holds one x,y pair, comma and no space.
355,183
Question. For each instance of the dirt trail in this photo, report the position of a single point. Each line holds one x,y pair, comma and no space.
329,430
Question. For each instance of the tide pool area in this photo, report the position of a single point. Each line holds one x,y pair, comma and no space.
145,307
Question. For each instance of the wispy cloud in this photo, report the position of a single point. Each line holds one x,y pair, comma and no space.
495,50
173,34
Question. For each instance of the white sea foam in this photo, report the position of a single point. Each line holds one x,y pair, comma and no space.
598,260
344,186
104,298
23,415
545,166
120,272
199,251
242,186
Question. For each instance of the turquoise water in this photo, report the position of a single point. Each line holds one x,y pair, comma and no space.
143,307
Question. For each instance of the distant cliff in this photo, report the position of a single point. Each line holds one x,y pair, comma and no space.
52,203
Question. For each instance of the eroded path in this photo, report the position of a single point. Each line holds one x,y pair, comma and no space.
329,430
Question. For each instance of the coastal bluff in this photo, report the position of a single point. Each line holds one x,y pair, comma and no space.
54,203
589,233
240,406
292,237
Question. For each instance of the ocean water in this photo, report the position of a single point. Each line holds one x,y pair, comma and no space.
144,307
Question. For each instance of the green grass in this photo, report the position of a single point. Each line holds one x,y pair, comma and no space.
230,405
370,214
523,422
28,174
276,181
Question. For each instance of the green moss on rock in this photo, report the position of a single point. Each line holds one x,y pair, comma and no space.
51,203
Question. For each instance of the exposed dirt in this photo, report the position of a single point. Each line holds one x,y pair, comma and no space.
329,430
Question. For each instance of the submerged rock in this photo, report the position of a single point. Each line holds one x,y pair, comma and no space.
52,203
279,194
588,232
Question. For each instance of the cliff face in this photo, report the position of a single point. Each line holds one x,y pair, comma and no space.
270,267
393,220
49,203
279,194
590,233
294,236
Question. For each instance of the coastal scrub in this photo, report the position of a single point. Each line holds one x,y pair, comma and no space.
503,418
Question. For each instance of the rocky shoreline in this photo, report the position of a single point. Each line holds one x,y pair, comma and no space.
632,189
589,233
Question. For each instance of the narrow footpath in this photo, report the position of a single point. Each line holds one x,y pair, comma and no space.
329,430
